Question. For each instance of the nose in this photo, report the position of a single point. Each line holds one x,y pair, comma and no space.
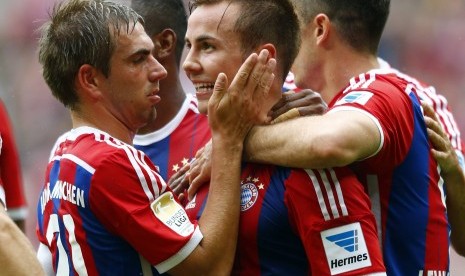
158,72
190,64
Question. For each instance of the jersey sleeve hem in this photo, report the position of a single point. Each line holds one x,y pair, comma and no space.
373,118
182,254
17,213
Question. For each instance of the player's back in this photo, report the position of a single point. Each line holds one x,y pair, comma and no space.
402,177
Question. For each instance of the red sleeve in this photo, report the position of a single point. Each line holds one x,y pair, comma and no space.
10,167
332,215
120,197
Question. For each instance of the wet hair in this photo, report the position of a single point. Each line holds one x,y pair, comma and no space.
265,21
360,23
164,14
80,32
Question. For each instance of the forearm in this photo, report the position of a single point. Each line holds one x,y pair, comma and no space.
219,222
314,142
17,257
224,194
267,144
455,201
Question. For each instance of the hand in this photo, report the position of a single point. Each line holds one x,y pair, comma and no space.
200,170
304,103
179,181
442,150
234,109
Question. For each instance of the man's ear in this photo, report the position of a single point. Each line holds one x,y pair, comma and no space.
165,43
271,49
322,29
87,81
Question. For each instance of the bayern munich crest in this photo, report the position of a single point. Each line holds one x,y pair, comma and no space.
249,195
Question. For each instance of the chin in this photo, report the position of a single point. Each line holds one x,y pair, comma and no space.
203,107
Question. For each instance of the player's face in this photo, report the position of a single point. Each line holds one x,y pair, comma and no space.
214,48
131,87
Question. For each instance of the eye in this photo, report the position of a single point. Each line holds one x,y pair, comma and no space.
139,58
188,45
206,46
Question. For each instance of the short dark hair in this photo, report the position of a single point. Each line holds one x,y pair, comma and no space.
266,21
80,32
163,14
359,22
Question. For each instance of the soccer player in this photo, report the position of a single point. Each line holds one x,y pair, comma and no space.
103,208
374,123
292,222
10,172
179,131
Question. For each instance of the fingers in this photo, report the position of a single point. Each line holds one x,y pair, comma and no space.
252,83
180,180
307,102
219,89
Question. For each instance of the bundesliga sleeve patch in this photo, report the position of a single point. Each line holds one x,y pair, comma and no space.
168,211
360,97
345,248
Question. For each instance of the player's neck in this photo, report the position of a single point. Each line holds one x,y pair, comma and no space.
339,70
113,127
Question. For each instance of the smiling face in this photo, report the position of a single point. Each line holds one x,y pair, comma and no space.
131,87
214,48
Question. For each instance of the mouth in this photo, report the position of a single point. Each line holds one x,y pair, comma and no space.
153,97
203,89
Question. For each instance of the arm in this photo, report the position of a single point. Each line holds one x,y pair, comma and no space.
17,257
220,220
453,176
329,140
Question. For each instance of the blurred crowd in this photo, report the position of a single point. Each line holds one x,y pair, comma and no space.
424,38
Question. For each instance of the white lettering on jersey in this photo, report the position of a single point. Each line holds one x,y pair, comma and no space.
433,273
360,97
62,190
345,248
168,211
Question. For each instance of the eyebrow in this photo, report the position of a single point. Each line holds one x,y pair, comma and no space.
201,38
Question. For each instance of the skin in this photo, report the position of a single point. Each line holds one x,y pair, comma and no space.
17,256
133,69
171,91
213,48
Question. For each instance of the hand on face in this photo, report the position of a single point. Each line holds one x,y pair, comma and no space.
236,108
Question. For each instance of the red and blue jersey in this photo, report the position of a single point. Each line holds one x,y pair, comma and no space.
302,222
176,143
104,210
402,177
442,110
